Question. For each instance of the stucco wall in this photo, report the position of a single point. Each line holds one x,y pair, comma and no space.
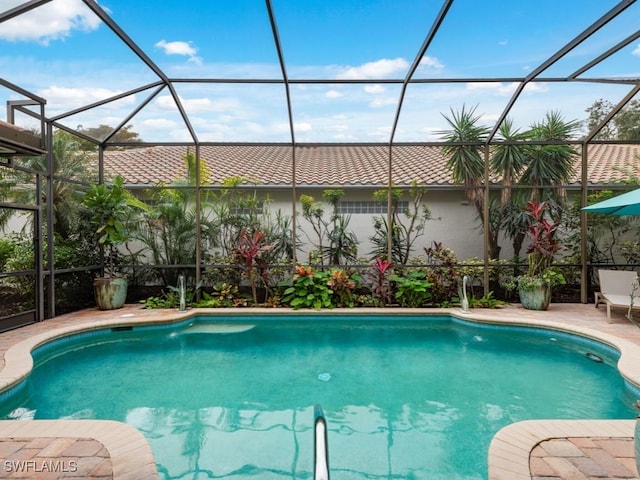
454,222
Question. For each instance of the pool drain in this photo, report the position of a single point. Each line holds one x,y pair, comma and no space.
324,377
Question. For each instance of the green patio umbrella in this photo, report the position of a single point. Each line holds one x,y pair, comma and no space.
625,204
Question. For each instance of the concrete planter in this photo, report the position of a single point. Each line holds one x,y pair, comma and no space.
110,293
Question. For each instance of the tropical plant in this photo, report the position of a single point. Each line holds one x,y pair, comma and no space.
233,210
309,289
225,294
343,287
7,248
248,252
69,172
110,207
517,164
486,301
408,224
313,213
167,230
465,152
378,279
336,244
550,164
342,243
442,272
509,157
515,222
544,245
67,254
543,248
465,160
412,290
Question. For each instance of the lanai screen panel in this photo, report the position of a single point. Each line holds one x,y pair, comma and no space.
510,39
345,113
63,52
571,100
352,40
231,112
81,54
226,39
428,105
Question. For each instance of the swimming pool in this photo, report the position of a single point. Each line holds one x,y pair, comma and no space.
404,398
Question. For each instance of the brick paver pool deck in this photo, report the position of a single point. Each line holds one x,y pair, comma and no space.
531,450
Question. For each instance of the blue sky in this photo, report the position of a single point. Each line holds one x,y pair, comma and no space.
64,53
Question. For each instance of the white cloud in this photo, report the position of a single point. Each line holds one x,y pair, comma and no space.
159,123
374,89
193,105
333,94
497,87
503,43
302,127
49,22
431,63
177,48
489,118
383,102
536,88
180,48
636,51
379,69
342,138
381,133
64,97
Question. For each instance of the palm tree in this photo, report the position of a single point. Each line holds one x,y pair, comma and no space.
167,230
550,165
466,161
70,172
509,160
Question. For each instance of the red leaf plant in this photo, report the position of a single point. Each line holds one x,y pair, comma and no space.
248,252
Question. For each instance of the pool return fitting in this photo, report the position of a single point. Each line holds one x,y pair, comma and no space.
321,451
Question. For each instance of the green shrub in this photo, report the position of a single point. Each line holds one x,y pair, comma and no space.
7,248
412,290
309,289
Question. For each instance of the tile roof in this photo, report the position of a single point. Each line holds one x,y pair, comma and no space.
325,165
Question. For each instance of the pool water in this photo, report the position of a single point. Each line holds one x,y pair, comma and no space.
404,399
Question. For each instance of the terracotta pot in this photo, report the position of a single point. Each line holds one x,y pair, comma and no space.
110,293
536,296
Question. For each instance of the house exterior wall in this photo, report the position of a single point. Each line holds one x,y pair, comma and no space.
454,222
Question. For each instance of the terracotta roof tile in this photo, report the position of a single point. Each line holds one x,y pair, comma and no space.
332,165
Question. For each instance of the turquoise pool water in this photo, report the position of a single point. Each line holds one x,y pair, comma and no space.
404,398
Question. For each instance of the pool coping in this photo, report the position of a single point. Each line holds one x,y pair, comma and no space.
508,456
511,447
130,453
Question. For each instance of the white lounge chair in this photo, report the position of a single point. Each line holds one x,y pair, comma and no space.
616,287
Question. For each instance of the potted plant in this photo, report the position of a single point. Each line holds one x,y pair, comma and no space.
110,206
535,286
